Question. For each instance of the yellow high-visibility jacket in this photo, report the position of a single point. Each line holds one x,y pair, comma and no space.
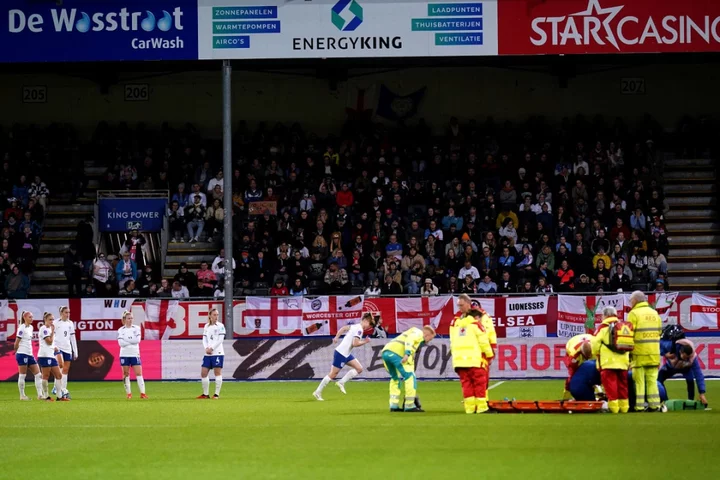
607,359
406,343
487,324
469,343
573,346
648,330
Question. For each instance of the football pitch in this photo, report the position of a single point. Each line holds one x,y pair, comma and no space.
277,430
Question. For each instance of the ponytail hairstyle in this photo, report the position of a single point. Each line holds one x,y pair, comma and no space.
46,315
60,310
22,316
211,311
125,314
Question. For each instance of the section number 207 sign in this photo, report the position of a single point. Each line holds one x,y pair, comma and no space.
632,86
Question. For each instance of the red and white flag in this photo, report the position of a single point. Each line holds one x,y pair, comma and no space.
159,323
3,320
100,318
662,303
273,315
418,312
525,317
579,314
324,315
705,312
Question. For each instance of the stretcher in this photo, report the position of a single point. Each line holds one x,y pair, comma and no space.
544,406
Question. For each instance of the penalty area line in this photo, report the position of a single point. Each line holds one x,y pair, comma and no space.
496,384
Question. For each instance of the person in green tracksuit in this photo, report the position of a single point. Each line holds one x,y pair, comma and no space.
399,360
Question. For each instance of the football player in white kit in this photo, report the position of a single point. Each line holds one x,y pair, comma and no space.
67,344
24,356
213,337
129,340
47,356
343,356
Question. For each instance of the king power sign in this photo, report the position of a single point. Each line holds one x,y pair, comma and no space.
608,26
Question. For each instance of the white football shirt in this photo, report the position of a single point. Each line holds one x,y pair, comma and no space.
64,330
129,340
346,344
213,336
25,333
46,351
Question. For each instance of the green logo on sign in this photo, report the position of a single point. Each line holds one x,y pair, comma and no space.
351,7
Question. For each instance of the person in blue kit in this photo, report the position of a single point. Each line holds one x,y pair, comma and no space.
681,358
584,381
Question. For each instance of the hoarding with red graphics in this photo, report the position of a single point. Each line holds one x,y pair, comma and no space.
552,27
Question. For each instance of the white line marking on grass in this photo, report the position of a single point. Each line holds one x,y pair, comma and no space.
496,384
96,426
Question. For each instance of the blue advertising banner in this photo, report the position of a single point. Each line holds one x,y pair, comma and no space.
110,30
124,214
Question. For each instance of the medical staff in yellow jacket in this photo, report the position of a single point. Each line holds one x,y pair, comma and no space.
645,358
613,366
470,349
399,360
577,350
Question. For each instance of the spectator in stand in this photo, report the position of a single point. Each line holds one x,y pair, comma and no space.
601,284
336,279
601,257
637,220
181,197
195,216
129,289
618,229
298,289
218,266
39,191
428,289
125,270
657,265
206,281
73,272
178,290
565,278
165,289
186,278
17,284
21,191
506,284
620,281
390,287
176,218
543,286
102,273
279,289
217,181
374,289
487,285
197,192
134,244
85,241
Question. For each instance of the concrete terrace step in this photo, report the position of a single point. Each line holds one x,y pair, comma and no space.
694,201
54,248
190,259
198,248
62,221
697,267
689,162
690,189
49,275
691,214
59,235
49,262
694,227
692,175
695,282
95,171
689,254
48,290
70,210
695,240
66,197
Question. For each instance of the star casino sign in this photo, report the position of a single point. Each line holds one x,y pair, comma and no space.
608,26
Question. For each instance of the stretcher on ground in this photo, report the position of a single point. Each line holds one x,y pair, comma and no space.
544,406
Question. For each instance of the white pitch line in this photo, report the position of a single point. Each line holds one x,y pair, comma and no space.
496,384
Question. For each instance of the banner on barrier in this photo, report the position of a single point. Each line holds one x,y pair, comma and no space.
705,312
124,214
538,27
88,31
280,29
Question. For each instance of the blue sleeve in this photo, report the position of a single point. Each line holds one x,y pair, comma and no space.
134,270
665,347
699,377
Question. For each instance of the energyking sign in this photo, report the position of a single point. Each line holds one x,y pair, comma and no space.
607,26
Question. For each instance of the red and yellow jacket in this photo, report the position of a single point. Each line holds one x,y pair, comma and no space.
606,358
469,343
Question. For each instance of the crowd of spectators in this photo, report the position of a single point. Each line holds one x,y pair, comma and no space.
481,209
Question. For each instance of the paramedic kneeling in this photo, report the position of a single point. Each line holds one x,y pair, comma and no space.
681,358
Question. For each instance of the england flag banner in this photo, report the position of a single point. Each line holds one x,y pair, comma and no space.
324,315
273,316
525,317
4,316
662,303
159,322
705,312
418,312
579,314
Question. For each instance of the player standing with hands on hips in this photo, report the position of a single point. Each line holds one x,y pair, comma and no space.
343,354
24,356
68,350
46,356
129,339
213,337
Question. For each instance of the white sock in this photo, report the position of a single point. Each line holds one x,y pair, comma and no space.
65,389
206,385
141,384
352,373
59,387
21,383
218,384
126,384
45,392
323,383
39,385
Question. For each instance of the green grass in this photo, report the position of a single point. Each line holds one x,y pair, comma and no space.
277,430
